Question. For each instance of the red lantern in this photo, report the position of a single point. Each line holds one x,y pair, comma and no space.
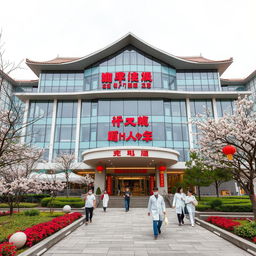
162,169
100,168
229,151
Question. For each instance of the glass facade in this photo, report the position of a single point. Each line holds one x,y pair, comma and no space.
225,107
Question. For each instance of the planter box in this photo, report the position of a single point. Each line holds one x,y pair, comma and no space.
47,243
248,246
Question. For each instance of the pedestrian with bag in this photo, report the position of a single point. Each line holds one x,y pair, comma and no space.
90,204
105,198
191,204
127,197
179,204
156,208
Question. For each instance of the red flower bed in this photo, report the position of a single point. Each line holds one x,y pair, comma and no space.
254,239
7,249
222,222
40,231
6,213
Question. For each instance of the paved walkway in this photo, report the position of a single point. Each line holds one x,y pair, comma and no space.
120,233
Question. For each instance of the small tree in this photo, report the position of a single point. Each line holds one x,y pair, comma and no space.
220,176
239,130
66,163
197,174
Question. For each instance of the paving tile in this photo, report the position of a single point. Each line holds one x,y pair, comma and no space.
119,233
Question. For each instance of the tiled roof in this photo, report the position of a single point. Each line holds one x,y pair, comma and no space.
57,60
201,59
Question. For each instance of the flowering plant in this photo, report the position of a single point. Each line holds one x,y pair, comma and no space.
6,213
222,222
7,249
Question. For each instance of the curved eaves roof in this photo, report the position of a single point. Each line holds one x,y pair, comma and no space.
191,63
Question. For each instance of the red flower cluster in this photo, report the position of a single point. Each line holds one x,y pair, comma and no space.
40,231
6,213
254,239
7,249
222,222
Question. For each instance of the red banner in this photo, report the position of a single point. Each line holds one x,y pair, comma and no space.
161,179
151,184
130,171
109,185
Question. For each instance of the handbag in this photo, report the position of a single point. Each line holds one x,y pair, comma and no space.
166,221
195,202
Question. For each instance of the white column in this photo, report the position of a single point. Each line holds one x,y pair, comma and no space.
79,107
190,132
100,180
25,120
215,111
54,114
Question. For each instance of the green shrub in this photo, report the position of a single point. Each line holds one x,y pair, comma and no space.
59,202
202,207
45,201
215,203
33,198
246,231
22,205
98,191
235,208
32,212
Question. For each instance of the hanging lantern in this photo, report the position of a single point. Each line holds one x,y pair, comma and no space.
162,168
100,168
229,151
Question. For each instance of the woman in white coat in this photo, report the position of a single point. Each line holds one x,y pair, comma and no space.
156,208
105,199
191,203
179,203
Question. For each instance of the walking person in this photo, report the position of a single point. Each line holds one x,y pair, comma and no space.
127,197
179,203
156,208
90,204
191,203
105,198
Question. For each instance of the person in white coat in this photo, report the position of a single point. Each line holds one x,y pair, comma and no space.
179,203
190,203
105,199
156,208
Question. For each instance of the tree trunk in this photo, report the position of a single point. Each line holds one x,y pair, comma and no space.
253,201
217,189
199,193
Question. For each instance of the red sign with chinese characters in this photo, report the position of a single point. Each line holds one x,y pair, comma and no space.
161,179
109,185
130,153
151,184
122,136
131,171
130,80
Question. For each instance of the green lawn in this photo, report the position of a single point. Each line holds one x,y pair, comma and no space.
11,224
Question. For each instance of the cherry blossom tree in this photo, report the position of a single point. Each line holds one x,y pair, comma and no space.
239,130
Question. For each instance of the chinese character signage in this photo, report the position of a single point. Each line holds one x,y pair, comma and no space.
130,80
130,153
130,121
161,179
109,185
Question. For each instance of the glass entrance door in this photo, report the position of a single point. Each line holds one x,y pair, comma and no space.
139,186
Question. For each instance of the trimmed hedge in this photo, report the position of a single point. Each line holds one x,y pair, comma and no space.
235,208
33,198
22,205
202,207
59,202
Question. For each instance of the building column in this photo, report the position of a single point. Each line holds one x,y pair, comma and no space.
79,107
100,181
215,111
162,190
190,132
25,120
54,114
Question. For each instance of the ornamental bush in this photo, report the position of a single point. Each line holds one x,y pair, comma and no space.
215,203
246,230
202,207
32,212
235,208
7,249
33,198
59,202
98,191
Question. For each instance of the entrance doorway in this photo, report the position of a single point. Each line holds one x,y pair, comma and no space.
139,186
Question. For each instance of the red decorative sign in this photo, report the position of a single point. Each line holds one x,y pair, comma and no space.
130,153
161,179
109,185
122,136
151,184
131,171
130,80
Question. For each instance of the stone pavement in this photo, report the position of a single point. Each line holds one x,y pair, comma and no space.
119,233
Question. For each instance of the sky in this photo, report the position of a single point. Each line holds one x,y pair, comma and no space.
44,29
